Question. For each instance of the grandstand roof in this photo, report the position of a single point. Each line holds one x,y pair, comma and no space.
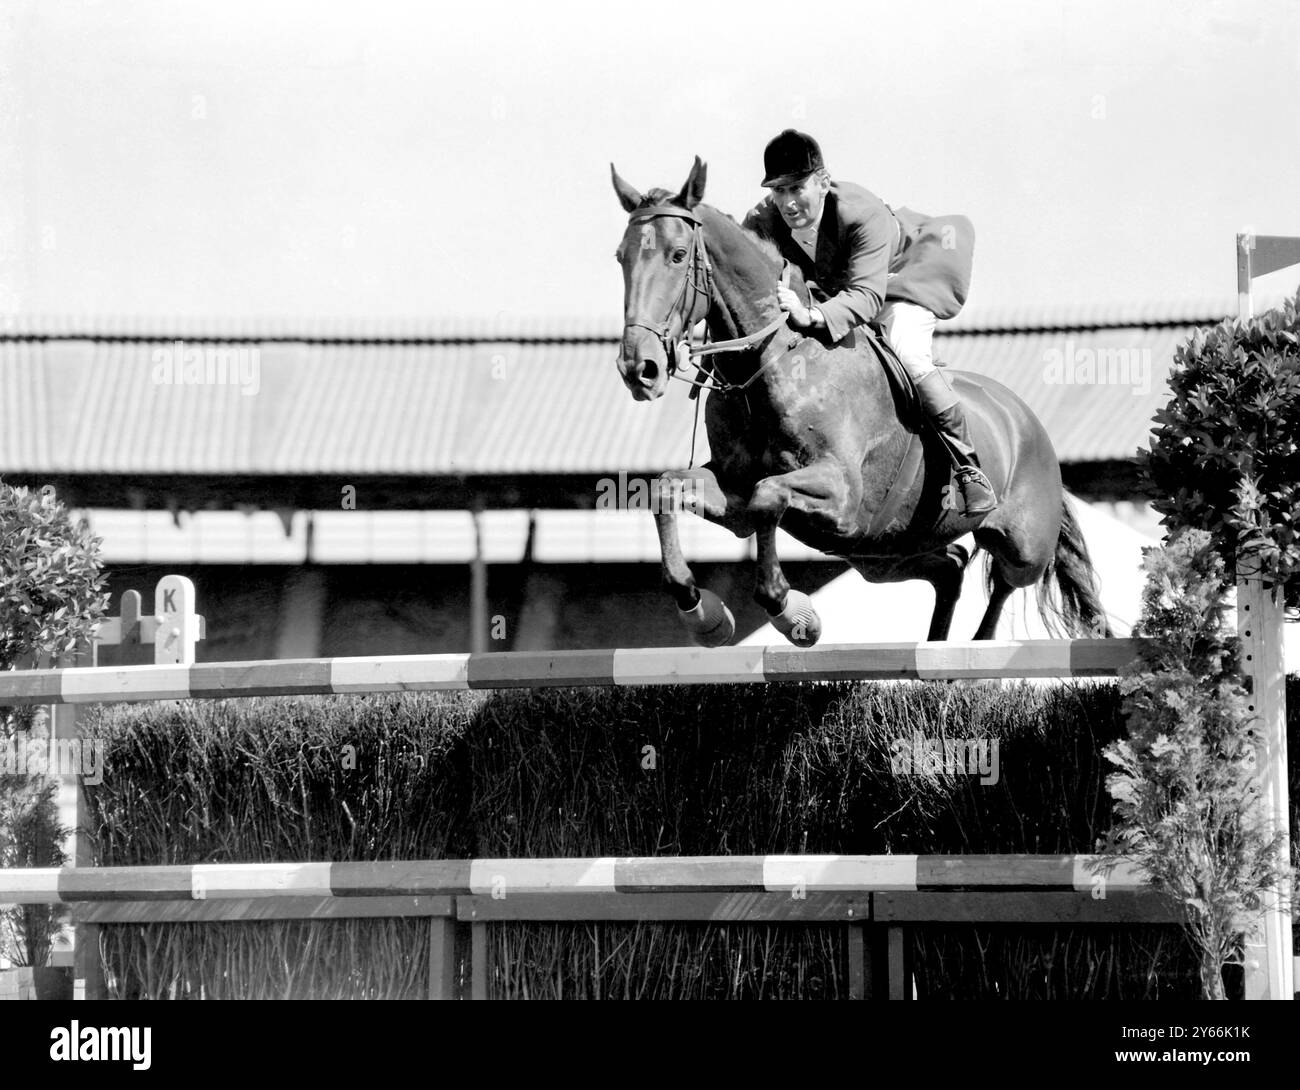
570,327
506,396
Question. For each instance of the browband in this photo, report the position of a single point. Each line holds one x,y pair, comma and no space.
664,210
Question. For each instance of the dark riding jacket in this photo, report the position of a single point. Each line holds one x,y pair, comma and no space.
868,254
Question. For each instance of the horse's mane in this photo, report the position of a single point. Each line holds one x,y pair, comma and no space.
663,196
765,245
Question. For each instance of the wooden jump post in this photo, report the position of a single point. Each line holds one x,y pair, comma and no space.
167,636
1270,964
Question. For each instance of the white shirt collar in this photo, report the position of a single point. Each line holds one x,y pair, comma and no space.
806,237
810,232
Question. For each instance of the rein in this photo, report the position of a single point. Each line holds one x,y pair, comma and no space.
699,262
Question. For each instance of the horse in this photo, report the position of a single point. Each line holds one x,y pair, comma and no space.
809,436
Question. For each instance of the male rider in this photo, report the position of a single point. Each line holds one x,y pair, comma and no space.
866,263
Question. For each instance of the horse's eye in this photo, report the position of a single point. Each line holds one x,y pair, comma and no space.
679,256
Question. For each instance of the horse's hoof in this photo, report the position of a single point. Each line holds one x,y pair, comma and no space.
798,622
710,623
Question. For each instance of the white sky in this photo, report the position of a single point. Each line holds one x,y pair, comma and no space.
313,158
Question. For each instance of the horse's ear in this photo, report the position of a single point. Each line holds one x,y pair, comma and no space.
693,191
628,197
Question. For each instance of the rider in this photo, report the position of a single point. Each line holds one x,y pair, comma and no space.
864,262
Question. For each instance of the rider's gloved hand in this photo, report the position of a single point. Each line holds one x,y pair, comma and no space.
789,302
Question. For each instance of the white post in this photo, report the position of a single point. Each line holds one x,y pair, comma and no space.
178,626
1245,302
1270,968
173,631
1270,963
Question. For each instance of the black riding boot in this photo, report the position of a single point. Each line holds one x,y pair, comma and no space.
949,418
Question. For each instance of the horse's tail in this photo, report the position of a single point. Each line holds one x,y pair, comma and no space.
1068,596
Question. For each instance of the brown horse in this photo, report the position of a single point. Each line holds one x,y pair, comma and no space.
810,437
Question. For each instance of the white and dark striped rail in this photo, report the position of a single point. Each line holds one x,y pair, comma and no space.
527,669
885,895
632,876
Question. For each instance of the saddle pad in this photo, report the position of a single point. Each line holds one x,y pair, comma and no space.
907,401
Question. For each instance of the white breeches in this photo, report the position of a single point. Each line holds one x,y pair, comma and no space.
910,330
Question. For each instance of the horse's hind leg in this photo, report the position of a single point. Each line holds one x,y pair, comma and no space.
945,572
998,596
1021,551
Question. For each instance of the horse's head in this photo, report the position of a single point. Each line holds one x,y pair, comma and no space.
667,284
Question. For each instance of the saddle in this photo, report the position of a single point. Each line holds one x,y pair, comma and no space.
907,404
907,399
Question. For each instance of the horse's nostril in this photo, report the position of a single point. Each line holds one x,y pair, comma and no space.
649,371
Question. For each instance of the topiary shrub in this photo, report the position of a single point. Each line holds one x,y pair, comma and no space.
1187,793
51,599
51,578
1225,451
30,836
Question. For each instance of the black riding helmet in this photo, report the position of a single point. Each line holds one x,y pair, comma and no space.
790,156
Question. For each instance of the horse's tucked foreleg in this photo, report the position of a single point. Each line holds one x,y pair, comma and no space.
697,491
677,577
790,611
819,491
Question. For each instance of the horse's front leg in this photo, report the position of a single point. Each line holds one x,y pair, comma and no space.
821,491
705,615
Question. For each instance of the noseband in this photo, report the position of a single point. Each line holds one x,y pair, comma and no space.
698,282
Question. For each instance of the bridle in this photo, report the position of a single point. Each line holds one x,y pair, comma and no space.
697,286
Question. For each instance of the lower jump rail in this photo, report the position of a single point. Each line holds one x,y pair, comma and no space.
502,878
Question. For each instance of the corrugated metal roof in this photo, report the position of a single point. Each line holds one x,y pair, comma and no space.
509,326
1099,402
1089,315
480,407
93,406
499,326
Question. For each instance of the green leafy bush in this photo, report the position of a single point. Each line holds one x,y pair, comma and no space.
51,599
1225,452
51,578
30,836
1187,797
